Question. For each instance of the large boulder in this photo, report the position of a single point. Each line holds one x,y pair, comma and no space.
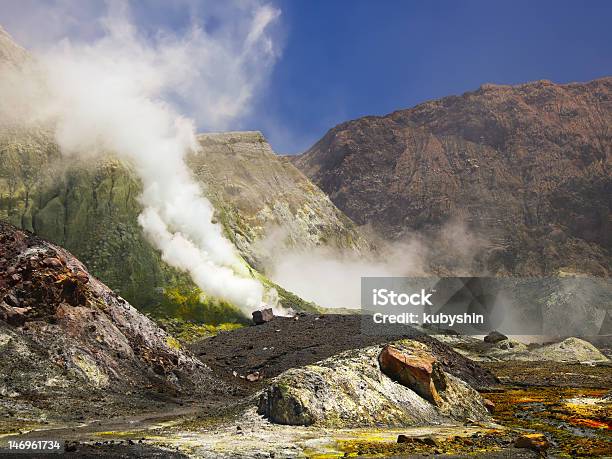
262,316
350,390
569,350
494,337
419,372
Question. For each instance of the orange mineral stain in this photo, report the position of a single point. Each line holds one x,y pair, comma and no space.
592,423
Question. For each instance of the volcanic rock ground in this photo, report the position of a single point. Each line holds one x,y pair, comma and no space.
207,426
56,316
284,343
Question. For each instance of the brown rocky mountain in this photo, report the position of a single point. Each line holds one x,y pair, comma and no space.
526,168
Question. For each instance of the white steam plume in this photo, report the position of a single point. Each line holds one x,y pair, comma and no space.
118,94
332,277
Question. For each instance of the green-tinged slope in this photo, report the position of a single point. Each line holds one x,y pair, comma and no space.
91,208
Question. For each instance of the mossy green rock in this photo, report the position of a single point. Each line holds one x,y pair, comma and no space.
90,209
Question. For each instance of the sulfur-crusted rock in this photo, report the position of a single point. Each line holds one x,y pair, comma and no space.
349,390
569,350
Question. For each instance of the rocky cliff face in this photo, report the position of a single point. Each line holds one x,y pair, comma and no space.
263,200
10,52
526,168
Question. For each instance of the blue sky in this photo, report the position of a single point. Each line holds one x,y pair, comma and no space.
344,59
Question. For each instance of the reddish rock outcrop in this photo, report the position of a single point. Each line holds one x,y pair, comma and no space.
418,372
526,168
66,338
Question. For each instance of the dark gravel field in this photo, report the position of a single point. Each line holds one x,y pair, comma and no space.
284,343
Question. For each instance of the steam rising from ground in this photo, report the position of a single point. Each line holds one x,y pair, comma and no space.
119,93
332,277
